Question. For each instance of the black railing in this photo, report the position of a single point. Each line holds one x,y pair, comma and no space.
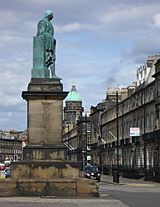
136,172
151,135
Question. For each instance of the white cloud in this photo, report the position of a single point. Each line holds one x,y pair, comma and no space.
128,20
12,78
156,20
3,120
69,28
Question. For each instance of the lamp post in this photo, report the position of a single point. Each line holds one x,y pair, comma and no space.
68,143
100,152
145,147
117,174
116,171
86,140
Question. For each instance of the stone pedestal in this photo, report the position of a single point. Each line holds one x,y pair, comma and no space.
44,114
44,111
44,170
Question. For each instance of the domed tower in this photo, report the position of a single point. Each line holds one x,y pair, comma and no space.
73,106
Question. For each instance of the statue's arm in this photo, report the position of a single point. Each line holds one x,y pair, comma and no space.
41,28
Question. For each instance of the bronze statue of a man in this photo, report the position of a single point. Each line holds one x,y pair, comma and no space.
44,48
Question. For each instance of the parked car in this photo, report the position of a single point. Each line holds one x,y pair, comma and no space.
92,172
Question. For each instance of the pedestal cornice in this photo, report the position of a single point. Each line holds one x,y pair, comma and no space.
45,95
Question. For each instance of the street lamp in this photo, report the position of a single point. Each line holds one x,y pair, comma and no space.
101,144
86,140
145,147
117,173
68,142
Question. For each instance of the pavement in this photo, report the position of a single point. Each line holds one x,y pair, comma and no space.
105,200
128,181
56,202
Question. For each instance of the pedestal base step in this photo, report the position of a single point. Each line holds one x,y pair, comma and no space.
49,187
45,169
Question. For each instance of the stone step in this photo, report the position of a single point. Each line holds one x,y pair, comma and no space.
49,187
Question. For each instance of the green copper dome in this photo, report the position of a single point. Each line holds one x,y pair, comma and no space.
73,95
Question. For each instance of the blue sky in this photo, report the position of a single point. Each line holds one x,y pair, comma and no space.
100,44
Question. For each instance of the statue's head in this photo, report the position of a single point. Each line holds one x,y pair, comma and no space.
48,14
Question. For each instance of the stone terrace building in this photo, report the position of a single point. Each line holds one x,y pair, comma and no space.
96,140
11,147
72,113
77,139
76,128
138,156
